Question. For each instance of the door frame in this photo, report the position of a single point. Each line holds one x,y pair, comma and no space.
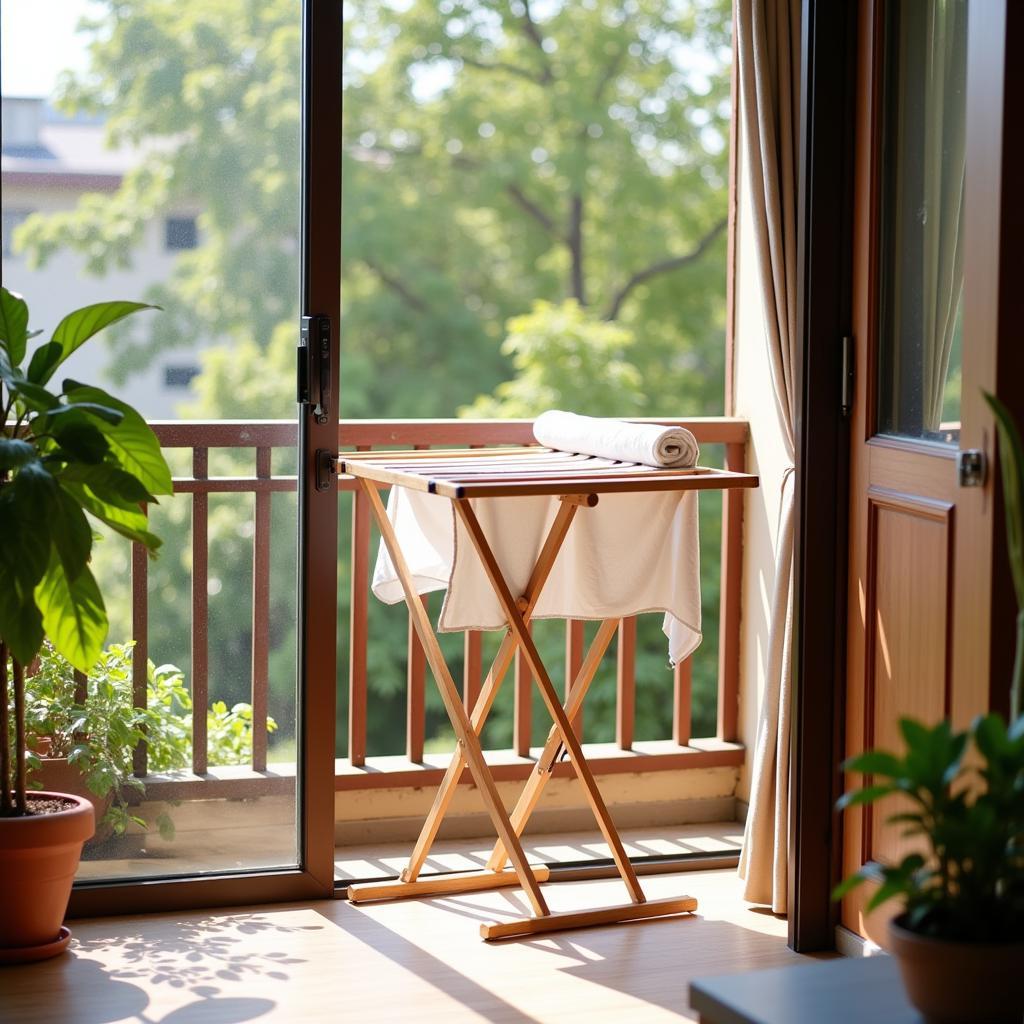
824,251
994,302
320,291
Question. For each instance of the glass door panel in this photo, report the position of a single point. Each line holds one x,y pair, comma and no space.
923,115
151,151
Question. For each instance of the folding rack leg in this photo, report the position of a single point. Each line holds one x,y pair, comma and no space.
585,775
549,755
468,741
489,691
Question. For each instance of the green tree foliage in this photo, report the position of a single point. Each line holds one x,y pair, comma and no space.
534,205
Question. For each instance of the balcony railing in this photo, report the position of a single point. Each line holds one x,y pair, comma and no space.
360,769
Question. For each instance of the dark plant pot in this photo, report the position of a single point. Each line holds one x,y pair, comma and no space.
38,858
960,982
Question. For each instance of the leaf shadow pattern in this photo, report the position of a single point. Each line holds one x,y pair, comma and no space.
196,951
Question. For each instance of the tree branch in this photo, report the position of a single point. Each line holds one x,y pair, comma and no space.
663,267
500,65
610,71
533,33
575,243
524,202
398,286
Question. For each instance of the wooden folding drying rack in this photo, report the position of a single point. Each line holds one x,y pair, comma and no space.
504,473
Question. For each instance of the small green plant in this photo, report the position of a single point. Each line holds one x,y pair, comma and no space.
967,884
99,734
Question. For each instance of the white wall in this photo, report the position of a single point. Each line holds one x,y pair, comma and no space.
754,400
63,285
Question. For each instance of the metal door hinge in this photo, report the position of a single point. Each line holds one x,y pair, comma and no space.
849,371
326,469
313,372
971,467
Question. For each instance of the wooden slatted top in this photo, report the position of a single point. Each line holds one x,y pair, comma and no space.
522,471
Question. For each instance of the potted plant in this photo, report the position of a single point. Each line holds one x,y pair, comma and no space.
81,736
64,456
960,937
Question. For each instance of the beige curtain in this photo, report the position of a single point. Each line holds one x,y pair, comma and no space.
768,51
945,152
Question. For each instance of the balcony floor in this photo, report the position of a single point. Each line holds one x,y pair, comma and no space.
417,960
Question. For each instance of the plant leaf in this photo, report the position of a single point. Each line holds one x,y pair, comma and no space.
73,614
109,483
867,795
78,435
21,624
876,762
105,413
77,328
130,521
1011,463
15,452
13,325
72,535
33,396
24,544
132,442
45,357
847,885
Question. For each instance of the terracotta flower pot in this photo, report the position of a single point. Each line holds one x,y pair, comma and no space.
960,982
38,858
57,776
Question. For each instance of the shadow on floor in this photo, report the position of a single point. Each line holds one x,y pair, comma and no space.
413,958
106,978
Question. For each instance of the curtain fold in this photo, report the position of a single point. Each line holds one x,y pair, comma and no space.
768,52
944,54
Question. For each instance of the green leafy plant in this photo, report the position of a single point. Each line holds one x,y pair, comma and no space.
97,727
64,456
967,884
1011,463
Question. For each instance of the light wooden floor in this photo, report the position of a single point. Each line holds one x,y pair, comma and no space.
414,961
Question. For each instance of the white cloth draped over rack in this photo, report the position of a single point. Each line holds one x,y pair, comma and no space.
632,553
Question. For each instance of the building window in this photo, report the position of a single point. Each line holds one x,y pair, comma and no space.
11,220
179,376
180,233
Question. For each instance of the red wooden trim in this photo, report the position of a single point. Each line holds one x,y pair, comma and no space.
140,653
233,484
200,612
730,601
261,615
682,705
625,683
406,433
603,758
472,668
416,710
358,626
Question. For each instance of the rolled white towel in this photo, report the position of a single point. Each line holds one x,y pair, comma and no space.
647,443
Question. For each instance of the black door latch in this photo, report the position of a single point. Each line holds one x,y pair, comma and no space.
313,370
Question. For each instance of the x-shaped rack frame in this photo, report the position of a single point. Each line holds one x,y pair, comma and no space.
507,472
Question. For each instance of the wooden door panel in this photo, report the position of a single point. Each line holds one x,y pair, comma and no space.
910,545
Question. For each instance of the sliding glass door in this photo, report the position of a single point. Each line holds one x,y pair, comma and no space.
182,155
